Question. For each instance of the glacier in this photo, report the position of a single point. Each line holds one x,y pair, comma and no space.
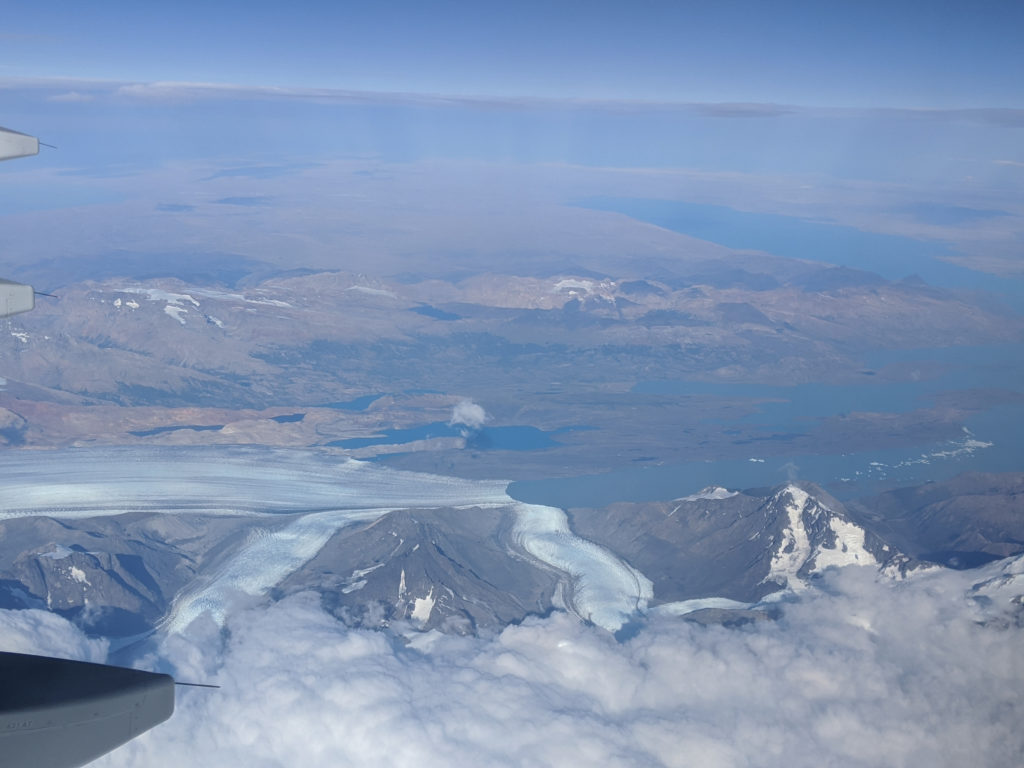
606,590
297,499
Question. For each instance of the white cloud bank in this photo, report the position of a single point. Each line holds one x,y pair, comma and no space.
861,672
47,634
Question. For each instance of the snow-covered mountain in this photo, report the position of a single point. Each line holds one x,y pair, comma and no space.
740,546
814,537
125,547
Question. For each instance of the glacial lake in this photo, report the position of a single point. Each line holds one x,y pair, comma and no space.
993,440
993,437
992,366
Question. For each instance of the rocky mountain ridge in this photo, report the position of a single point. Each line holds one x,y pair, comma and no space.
455,570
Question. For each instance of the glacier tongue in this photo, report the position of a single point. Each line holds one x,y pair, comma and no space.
261,563
605,590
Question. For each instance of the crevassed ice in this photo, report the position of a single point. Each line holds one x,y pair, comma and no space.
76,483
320,492
261,563
683,607
605,590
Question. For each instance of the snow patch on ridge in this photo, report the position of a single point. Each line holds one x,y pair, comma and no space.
59,553
849,549
174,306
795,546
176,312
423,607
372,291
711,493
155,294
356,581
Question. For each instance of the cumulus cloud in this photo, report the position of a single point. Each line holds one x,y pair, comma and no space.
468,414
857,673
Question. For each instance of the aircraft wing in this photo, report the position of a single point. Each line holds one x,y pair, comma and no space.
14,144
57,713
15,297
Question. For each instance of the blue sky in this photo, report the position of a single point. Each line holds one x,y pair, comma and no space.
887,110
894,54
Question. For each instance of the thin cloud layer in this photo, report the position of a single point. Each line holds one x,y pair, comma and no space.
72,97
73,90
857,673
47,634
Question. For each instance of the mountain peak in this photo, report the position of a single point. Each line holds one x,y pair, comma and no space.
814,536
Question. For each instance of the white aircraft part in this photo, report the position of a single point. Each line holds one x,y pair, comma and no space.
15,298
14,144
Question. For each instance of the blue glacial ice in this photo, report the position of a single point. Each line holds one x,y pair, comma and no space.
604,589
79,483
297,499
262,562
